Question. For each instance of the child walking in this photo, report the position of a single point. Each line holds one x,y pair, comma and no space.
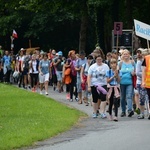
113,79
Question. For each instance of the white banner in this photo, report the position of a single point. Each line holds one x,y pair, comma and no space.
142,29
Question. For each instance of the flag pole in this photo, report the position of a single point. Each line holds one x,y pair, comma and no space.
12,44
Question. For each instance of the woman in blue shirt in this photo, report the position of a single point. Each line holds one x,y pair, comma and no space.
127,68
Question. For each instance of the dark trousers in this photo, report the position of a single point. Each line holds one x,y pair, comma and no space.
34,79
113,101
7,76
67,88
72,86
1,75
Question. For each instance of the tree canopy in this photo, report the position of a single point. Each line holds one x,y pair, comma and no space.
67,24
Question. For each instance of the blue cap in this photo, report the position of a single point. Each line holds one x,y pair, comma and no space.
60,53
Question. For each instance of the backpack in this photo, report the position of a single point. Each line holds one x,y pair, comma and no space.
26,63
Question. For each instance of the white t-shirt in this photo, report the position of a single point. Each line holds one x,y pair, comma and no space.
34,69
98,74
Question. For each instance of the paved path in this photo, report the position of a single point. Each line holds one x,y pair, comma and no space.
94,134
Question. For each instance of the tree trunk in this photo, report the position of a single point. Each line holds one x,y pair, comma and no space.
129,14
83,31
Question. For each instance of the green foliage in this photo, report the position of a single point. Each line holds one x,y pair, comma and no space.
27,117
38,19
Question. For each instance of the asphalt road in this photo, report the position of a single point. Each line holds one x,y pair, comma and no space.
93,134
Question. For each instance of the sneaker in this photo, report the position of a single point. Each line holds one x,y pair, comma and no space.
130,113
94,115
41,92
46,93
123,114
86,104
54,88
68,96
103,115
141,116
76,99
33,90
71,100
115,119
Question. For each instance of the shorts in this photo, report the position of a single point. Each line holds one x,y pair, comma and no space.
43,78
59,75
142,95
25,71
96,95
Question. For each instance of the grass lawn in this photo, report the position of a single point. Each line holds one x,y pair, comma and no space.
27,117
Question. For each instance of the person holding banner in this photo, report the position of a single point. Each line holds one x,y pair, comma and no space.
146,75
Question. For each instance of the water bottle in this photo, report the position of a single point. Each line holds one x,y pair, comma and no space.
89,97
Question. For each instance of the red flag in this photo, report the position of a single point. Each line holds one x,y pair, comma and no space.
14,34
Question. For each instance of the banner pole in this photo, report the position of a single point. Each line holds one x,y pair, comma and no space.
117,42
148,44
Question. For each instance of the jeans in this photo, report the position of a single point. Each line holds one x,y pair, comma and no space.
126,96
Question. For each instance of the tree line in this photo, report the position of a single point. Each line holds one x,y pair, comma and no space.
67,24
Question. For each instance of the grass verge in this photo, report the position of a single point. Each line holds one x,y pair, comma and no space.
27,117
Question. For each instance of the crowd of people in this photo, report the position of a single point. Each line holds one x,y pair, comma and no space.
117,80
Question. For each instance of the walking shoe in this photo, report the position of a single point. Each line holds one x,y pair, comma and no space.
68,96
115,119
94,115
46,93
41,92
103,115
123,114
76,99
86,104
71,100
54,88
141,116
130,113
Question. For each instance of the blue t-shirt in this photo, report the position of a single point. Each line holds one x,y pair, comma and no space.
79,63
44,65
109,74
7,61
126,70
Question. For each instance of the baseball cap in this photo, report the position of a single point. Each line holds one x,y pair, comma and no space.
140,49
81,53
114,51
60,53
22,49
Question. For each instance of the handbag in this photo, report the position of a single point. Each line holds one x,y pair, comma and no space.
67,71
134,77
